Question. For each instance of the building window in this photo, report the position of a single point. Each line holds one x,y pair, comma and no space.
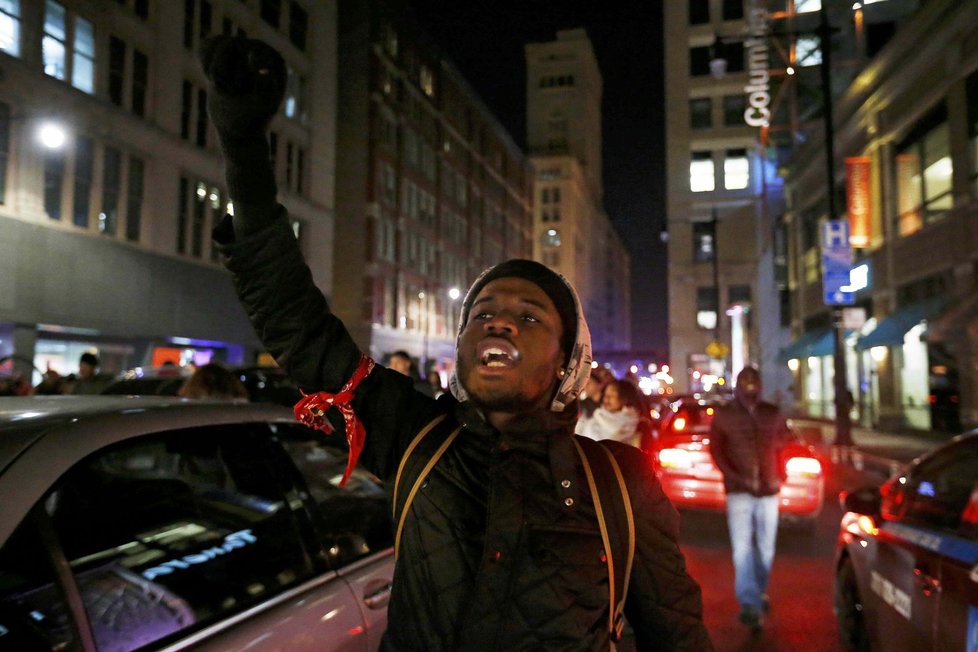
971,86
734,107
298,25
134,199
201,133
199,217
10,27
108,217
736,169
426,79
704,248
189,9
54,176
551,238
733,9
117,69
205,19
53,45
183,201
140,81
808,51
706,308
699,61
701,173
84,170
83,56
733,52
924,170
806,6
699,12
738,294
186,109
700,113
295,91
271,12
4,149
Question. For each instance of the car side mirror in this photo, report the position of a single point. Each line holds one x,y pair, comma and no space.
865,500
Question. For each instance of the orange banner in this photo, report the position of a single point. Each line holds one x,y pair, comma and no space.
858,200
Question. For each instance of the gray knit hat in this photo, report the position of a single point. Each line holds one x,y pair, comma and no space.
576,340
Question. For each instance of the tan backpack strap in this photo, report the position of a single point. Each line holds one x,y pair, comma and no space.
616,602
630,516
420,479
407,453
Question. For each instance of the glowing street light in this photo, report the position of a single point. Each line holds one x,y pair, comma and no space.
52,135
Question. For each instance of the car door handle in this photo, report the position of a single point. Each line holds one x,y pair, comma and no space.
929,585
377,594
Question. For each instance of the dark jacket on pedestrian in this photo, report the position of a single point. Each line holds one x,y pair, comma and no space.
496,553
746,444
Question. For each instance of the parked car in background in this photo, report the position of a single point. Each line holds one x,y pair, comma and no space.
680,452
132,522
907,556
264,384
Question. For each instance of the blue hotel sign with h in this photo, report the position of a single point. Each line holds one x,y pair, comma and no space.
836,263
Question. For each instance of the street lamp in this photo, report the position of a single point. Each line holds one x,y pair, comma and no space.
52,135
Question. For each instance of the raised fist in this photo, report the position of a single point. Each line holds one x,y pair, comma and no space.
247,82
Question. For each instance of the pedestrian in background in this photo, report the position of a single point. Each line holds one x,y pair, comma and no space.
593,390
618,417
213,381
502,547
88,380
746,441
402,363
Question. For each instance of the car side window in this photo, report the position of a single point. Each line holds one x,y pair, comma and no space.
172,532
34,613
941,488
354,521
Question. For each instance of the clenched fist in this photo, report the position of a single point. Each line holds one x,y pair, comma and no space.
247,82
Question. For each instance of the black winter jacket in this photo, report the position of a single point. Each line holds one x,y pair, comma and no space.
493,555
746,446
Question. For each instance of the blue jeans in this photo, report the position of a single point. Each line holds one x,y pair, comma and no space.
753,525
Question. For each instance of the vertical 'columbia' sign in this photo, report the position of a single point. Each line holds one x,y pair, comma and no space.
758,90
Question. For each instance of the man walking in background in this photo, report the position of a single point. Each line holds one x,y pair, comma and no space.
747,438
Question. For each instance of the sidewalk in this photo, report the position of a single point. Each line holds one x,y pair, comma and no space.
881,451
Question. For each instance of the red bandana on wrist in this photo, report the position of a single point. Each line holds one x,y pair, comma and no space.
311,411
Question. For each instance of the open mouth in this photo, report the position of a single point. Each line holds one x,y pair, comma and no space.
497,354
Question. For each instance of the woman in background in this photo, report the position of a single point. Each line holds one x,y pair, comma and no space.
618,417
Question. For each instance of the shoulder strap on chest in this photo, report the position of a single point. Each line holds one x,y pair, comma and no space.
616,522
420,457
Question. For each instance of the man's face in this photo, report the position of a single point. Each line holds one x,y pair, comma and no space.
509,353
85,370
400,364
749,384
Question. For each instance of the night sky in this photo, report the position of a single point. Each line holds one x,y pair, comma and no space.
485,40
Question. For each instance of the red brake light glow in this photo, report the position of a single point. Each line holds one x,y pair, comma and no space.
679,424
675,458
807,466
859,524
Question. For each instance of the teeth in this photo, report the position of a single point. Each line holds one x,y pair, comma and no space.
495,357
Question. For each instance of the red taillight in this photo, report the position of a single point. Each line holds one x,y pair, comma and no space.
805,466
675,458
679,424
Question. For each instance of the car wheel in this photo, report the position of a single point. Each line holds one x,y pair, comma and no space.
849,610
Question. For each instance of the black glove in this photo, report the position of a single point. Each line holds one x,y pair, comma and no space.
246,85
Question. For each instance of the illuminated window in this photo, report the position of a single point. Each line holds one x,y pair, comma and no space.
805,6
551,238
701,173
808,51
10,27
924,170
55,46
295,95
706,308
703,242
736,169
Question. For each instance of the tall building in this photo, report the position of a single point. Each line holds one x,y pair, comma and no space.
571,231
106,223
743,90
430,189
906,179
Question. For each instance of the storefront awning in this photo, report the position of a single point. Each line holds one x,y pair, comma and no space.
891,329
805,344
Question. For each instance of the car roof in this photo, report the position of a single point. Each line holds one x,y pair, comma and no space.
42,437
